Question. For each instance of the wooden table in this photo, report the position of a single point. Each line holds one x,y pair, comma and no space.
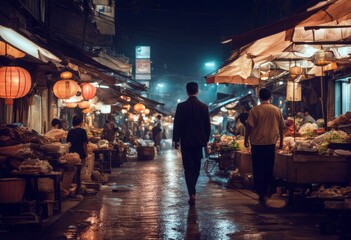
55,176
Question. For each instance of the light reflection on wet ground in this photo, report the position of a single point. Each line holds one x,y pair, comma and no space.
149,201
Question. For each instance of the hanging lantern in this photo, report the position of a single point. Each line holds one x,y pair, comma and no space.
71,104
15,82
8,50
88,91
331,66
66,75
84,104
126,107
323,57
86,110
64,89
146,111
295,71
106,109
139,107
264,75
293,91
125,98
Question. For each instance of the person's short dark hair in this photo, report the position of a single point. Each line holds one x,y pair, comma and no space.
192,88
77,119
57,122
159,116
264,94
305,110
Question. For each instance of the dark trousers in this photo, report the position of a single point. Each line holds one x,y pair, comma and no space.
262,166
192,163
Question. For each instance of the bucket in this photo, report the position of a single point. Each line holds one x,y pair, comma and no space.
146,153
12,189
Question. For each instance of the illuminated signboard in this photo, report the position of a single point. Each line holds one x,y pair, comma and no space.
142,52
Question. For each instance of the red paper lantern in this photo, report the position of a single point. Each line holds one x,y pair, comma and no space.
88,91
15,82
64,89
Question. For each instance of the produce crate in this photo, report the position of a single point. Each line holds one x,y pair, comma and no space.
281,165
243,162
11,189
301,168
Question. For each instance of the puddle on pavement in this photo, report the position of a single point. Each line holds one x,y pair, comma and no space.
85,230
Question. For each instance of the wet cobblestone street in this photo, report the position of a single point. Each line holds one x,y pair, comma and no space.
149,201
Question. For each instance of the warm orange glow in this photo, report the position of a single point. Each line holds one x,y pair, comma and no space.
146,111
295,71
139,107
64,89
84,104
66,75
88,91
71,105
8,50
15,82
87,110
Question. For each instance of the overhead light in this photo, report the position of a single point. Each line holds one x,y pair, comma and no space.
227,41
103,86
323,57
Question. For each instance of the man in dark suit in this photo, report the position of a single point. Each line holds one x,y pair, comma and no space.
192,129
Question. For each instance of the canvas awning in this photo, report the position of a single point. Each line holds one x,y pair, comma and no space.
329,20
24,44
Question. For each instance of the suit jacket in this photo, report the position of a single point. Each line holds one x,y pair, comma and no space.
192,127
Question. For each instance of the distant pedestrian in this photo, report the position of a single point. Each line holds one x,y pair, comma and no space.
264,126
191,129
78,138
157,133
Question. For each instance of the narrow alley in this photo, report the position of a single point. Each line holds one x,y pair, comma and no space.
148,200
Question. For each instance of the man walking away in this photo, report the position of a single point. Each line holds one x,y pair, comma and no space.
264,125
191,129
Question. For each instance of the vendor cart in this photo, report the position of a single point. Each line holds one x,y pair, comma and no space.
224,160
306,168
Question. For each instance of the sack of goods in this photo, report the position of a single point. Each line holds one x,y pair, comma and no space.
72,158
35,166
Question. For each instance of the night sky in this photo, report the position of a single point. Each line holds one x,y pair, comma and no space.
185,34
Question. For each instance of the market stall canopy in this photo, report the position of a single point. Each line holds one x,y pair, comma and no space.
112,96
22,43
233,103
72,55
115,63
327,25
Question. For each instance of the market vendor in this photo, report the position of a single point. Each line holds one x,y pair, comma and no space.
307,118
78,138
56,123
